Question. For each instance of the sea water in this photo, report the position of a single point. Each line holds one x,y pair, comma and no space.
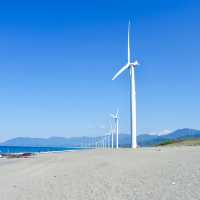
21,149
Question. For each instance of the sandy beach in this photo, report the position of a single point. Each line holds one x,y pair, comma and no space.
150,173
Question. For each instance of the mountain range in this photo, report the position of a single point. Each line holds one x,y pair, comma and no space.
124,139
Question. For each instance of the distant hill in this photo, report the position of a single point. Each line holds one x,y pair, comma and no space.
46,142
124,139
184,142
152,140
183,134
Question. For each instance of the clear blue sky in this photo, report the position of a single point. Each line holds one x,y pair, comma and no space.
57,59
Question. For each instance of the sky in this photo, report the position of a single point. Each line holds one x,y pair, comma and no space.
57,59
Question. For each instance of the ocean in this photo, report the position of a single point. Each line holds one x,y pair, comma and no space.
21,149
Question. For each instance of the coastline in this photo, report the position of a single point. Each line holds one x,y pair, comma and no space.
35,149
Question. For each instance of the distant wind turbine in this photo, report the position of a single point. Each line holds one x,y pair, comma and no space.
131,66
112,136
116,118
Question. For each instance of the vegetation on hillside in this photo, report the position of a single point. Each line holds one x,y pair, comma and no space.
187,142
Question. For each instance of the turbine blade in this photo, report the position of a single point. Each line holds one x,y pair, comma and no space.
129,46
117,114
113,116
120,71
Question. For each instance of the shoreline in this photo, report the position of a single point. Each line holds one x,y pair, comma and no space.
36,150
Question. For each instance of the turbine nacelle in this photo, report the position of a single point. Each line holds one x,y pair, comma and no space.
115,116
128,65
134,64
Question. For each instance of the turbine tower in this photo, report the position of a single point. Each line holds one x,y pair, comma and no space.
116,118
131,66
111,132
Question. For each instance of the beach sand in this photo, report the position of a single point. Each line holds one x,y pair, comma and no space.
166,173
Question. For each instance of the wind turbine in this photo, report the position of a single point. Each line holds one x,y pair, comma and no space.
103,140
116,118
112,134
131,66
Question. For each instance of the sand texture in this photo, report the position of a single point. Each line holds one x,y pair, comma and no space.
167,173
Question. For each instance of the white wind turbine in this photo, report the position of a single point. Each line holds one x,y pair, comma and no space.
131,66
116,118
112,135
